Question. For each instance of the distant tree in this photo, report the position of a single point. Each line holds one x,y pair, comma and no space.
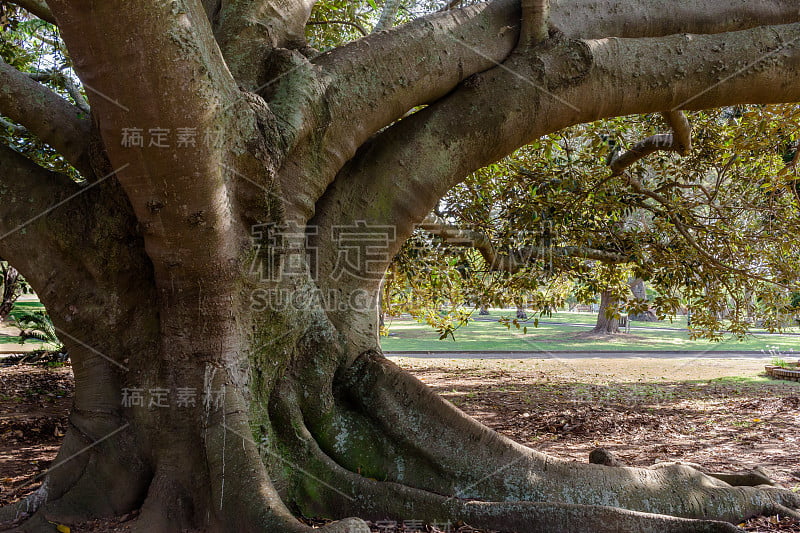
12,287
715,227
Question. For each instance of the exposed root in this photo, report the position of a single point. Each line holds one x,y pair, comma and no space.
15,514
217,487
476,463
243,497
425,461
345,492
35,524
748,478
98,472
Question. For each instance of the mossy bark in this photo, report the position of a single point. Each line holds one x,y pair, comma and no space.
298,423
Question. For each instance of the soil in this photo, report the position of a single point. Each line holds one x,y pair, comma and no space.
718,413
34,404
714,412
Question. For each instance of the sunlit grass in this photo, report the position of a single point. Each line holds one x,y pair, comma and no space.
570,331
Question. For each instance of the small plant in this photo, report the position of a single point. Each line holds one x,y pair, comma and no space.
778,357
37,325
777,361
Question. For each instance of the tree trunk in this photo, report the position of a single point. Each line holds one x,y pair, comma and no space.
11,290
483,310
640,293
521,314
298,418
222,314
608,315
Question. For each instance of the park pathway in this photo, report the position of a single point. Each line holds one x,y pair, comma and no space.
557,354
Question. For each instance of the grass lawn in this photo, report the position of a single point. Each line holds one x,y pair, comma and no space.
9,342
27,305
569,331
561,331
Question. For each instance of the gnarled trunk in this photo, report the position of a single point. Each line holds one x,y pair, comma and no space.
218,297
298,414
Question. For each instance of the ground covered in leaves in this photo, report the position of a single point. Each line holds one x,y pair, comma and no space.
719,413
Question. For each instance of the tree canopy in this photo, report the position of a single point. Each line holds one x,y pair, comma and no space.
713,230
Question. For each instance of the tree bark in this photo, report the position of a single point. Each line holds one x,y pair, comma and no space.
219,308
640,293
608,315
48,116
11,289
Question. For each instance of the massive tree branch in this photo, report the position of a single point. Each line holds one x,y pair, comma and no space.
391,73
38,8
420,62
28,190
595,19
512,261
399,176
248,30
613,18
181,192
679,141
28,194
45,114
60,216
535,18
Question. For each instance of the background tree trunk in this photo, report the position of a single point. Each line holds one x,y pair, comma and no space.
639,291
607,316
11,289
295,409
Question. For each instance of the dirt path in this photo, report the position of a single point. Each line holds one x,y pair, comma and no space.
719,413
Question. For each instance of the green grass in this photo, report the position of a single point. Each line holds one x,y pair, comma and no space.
19,307
26,306
752,380
408,335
